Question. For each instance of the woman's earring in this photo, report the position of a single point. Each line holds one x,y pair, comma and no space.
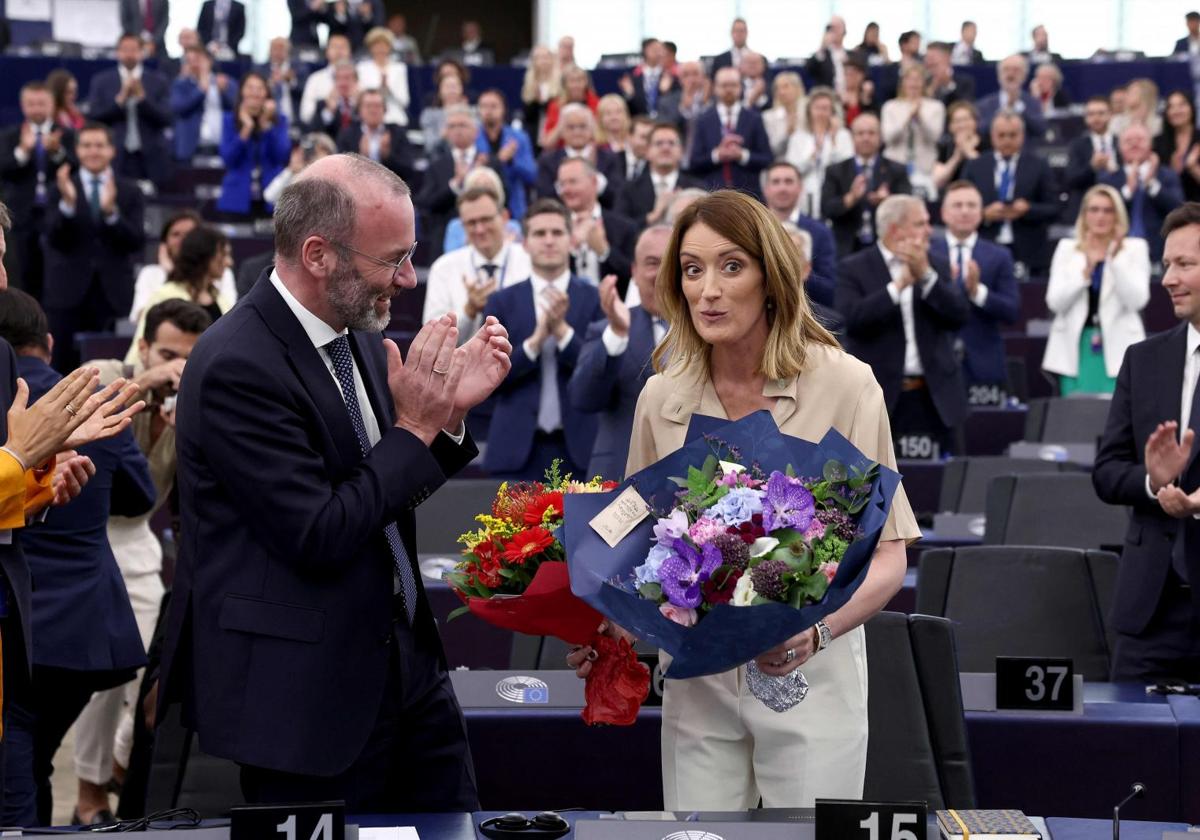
770,304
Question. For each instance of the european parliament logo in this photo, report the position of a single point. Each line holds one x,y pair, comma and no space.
523,690
693,835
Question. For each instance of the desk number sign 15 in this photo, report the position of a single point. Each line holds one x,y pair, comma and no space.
310,821
852,819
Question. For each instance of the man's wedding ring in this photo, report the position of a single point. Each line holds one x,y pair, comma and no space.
791,654
440,372
71,409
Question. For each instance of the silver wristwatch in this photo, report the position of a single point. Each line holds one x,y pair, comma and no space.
824,635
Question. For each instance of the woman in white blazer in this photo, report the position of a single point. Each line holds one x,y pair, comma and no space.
386,74
1099,283
821,143
912,124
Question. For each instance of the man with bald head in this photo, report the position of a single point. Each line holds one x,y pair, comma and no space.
854,188
299,637
729,146
614,363
1150,190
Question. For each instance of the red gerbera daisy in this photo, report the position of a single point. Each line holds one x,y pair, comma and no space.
537,508
529,543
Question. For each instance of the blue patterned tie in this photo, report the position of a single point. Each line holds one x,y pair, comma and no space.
1137,222
343,366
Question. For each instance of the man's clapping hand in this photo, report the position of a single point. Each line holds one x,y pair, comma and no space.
488,360
1166,456
614,308
424,384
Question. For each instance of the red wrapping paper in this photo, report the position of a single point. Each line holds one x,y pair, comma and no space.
547,607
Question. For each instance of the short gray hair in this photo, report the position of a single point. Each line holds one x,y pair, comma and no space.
689,195
576,108
5,217
893,210
319,206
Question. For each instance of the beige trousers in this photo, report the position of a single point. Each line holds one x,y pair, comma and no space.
723,750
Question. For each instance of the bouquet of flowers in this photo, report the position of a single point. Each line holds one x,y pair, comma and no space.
741,516
514,575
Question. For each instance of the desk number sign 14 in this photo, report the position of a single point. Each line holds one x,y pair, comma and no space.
310,821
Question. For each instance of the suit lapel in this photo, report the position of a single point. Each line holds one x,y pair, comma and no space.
641,343
366,347
311,369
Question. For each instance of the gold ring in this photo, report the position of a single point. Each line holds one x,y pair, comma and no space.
791,654
440,372
71,409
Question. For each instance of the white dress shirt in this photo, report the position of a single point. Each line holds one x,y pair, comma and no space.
1152,186
968,249
446,293
664,183
22,157
1106,143
212,122
897,267
316,91
616,345
86,178
1191,371
587,261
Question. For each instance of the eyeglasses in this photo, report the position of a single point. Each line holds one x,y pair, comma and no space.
395,267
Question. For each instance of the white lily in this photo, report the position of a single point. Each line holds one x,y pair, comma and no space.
763,545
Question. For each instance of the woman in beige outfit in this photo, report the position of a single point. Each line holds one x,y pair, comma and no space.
743,338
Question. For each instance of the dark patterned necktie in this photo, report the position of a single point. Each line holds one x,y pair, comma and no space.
343,366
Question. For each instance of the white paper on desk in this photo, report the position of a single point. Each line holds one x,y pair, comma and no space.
404,832
93,23
27,9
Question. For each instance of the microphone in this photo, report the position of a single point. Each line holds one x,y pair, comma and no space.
1136,791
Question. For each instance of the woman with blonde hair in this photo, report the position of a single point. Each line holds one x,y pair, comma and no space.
1141,105
576,87
819,144
781,121
613,122
381,70
1099,284
911,125
542,83
743,338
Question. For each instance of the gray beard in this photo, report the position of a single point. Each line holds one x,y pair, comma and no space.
353,300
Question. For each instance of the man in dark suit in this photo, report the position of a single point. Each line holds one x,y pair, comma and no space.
785,197
902,312
534,420
371,137
306,14
965,53
1012,96
30,154
1142,463
944,84
730,148
578,135
647,197
148,20
854,188
602,241
614,362
94,232
984,273
299,637
135,102
826,67
732,57
1093,153
222,26
354,19
1041,54
1191,43
85,638
649,81
449,164
285,77
1150,190
199,100
1020,199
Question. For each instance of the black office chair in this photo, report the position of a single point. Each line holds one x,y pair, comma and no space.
1051,509
965,480
1022,601
450,512
1077,419
917,749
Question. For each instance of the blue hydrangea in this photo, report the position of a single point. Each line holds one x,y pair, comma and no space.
648,571
738,505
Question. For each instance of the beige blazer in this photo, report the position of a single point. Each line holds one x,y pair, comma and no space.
834,390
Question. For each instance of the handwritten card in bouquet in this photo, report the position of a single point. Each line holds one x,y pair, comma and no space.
615,522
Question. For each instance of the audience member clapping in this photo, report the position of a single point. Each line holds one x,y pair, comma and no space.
541,85
960,145
1047,88
284,77
872,48
508,149
320,82
485,178
65,90
152,277
1150,189
1094,152
372,137
601,240
255,147
576,90
786,116
199,100
821,142
313,146
645,199
453,157
1178,146
912,124
338,110
383,72
858,95
1012,96
943,84
578,135
854,188
134,101
451,94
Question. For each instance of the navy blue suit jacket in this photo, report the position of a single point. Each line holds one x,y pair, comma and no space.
706,136
82,619
153,113
1148,392
280,625
983,346
268,151
514,419
875,329
187,103
1154,207
609,386
206,26
1034,182
80,250
823,280
607,164
1035,123
304,24
847,221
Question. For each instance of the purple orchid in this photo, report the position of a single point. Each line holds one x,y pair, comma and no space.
671,528
788,504
685,570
